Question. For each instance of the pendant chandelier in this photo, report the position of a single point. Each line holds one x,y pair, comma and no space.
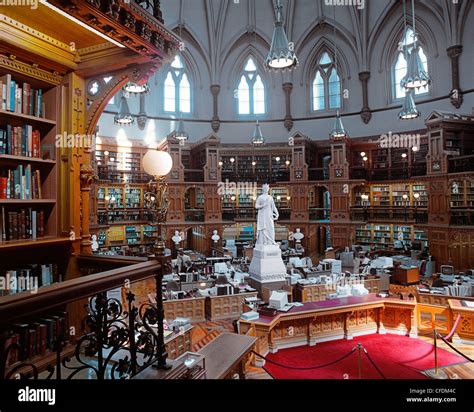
338,132
409,110
180,134
281,56
124,117
136,88
258,139
416,76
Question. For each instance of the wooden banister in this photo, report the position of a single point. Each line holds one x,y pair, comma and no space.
26,304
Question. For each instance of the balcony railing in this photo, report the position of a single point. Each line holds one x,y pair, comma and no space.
461,164
462,218
119,341
319,214
377,175
396,214
194,175
318,173
194,215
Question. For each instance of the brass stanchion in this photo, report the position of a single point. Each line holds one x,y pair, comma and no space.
359,359
436,373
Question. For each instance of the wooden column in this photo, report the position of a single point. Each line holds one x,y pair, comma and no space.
287,88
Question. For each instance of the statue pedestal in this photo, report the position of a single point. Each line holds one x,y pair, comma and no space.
267,268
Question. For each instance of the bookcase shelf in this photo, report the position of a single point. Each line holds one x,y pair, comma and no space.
11,159
44,241
28,201
19,118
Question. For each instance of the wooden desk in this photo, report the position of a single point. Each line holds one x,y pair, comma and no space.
193,309
226,355
330,320
178,343
406,276
465,329
227,306
320,292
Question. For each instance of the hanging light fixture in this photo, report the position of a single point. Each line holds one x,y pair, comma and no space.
338,132
258,139
136,88
123,117
416,76
281,56
180,133
409,110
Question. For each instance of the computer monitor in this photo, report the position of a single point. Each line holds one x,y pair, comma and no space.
447,270
278,299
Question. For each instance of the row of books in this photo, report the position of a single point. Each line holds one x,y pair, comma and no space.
28,340
23,100
20,141
27,278
21,183
23,224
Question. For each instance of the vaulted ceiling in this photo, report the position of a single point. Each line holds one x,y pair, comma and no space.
214,27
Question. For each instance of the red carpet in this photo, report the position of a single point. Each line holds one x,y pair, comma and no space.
397,357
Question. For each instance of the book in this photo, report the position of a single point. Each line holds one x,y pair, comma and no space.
6,80
21,224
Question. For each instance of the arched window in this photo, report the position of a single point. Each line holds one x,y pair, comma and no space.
399,69
326,88
177,88
250,91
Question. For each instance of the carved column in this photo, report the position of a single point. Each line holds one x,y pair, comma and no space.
87,178
288,87
216,123
456,93
365,113
142,116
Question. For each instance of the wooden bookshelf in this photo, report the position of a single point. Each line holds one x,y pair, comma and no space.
45,162
384,236
464,198
380,195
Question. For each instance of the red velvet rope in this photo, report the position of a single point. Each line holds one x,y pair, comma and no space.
447,337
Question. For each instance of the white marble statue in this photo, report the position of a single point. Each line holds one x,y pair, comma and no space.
215,236
95,244
267,214
177,238
298,235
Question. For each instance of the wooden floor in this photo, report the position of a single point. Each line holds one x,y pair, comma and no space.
204,332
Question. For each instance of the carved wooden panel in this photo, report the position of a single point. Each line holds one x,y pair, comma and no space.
193,309
226,307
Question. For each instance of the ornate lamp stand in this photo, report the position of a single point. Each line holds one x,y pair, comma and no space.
159,164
